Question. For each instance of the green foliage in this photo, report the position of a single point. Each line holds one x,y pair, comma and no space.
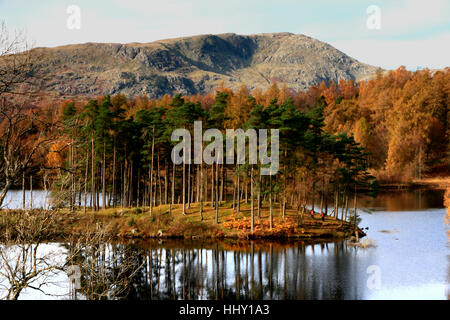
307,152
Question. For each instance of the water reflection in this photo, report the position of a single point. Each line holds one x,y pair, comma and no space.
447,222
192,270
403,200
29,266
246,271
413,258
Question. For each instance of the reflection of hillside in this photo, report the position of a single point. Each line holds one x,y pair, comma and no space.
404,200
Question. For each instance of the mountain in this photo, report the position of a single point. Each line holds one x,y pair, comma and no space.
195,64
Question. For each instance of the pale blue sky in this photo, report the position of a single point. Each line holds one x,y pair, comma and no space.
413,32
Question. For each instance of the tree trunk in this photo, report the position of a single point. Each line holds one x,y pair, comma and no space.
138,186
212,185
31,191
197,189
130,186
238,191
270,201
246,191
23,190
151,172
93,174
217,189
321,201
172,202
104,177
166,182
251,201
6,187
354,219
222,183
192,179
184,178
86,172
45,189
259,196
234,196
189,186
201,191
346,207
159,182
114,174
184,189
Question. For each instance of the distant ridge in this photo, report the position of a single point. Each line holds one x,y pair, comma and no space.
195,64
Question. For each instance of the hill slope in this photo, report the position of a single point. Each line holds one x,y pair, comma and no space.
195,64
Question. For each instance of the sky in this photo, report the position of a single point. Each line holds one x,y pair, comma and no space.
385,33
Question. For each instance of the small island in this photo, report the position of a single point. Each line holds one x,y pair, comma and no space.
122,224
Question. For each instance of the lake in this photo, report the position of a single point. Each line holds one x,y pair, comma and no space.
411,260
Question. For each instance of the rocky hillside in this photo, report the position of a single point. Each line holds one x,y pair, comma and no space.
195,64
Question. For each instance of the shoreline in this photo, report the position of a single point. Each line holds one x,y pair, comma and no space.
440,183
137,223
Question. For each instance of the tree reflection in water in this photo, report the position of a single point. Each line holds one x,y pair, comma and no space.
192,270
180,269
224,271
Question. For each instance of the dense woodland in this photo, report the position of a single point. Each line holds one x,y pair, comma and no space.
334,139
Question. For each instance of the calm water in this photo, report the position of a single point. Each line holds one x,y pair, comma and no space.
38,199
411,259
13,200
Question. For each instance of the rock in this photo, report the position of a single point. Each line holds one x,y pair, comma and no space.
366,243
196,64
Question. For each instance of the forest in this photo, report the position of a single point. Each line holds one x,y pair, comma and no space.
336,140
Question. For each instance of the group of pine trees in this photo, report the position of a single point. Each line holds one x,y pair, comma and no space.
118,154
115,151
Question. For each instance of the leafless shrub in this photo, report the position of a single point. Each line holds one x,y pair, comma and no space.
18,67
26,261
23,263
107,268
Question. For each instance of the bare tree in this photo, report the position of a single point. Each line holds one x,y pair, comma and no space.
22,133
18,67
22,262
106,268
